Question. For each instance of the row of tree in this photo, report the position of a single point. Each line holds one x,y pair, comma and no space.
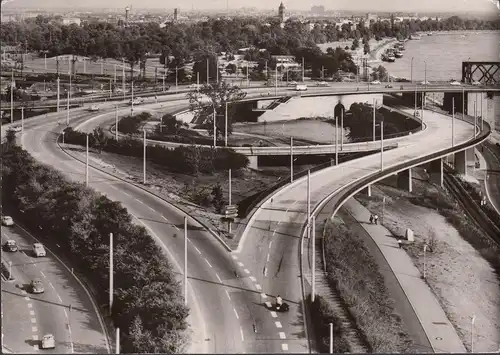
148,305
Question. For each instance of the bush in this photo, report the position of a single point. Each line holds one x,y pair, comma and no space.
184,159
148,298
352,270
323,315
131,124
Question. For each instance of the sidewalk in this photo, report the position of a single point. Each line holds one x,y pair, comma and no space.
439,330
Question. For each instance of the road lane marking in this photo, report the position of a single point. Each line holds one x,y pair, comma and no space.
253,279
265,271
270,243
41,272
123,192
32,313
36,347
34,329
240,264
278,324
165,218
242,336
263,295
218,278
284,347
198,250
59,298
151,208
234,257
236,314
282,335
50,283
227,294
246,271
27,298
208,262
34,337
268,257
258,287
24,292
33,320
139,201
30,305
274,314
65,313
268,304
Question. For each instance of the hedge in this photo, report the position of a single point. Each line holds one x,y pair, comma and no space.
148,305
131,124
188,160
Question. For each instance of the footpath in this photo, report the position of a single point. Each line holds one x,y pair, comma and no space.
440,332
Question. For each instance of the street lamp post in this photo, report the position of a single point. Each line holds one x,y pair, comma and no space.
225,125
276,82
374,112
452,121
336,141
230,192
58,92
308,203
22,122
114,77
144,157
67,110
215,127
382,145
163,83
117,341
302,69
473,320
411,70
132,99
12,98
176,81
111,273
475,121
313,236
425,265
342,129
87,159
415,99
63,136
291,159
116,123
10,270
331,338
123,78
208,73
185,259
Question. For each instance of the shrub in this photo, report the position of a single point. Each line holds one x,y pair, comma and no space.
131,124
147,296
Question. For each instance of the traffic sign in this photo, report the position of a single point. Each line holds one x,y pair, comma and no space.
231,211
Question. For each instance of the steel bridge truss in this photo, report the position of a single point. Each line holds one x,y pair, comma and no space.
485,72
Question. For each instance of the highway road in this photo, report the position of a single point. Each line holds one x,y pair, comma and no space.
271,241
491,153
224,301
27,317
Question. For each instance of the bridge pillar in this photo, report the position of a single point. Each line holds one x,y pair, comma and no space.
254,162
367,190
404,180
460,162
436,172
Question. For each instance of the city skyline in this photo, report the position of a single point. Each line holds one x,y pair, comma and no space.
336,5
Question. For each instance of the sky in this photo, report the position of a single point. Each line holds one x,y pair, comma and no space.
354,5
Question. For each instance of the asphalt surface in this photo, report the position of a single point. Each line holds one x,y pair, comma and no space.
27,317
270,245
491,153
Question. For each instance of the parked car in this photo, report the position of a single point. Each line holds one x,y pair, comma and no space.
7,221
48,342
389,86
425,82
476,83
10,245
137,101
455,83
36,286
38,250
322,83
300,87
416,114
93,108
375,82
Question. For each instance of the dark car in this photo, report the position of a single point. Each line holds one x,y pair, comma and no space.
10,245
36,286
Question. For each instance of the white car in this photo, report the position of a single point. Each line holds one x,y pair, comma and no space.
375,82
322,83
48,342
7,221
425,82
292,83
455,83
194,86
93,108
137,101
476,83
38,250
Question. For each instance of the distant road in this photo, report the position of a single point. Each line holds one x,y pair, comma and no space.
491,153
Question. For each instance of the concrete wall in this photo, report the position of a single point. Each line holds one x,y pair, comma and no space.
263,103
323,106
491,107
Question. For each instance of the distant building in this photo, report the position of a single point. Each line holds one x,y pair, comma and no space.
175,14
71,20
281,12
371,17
318,9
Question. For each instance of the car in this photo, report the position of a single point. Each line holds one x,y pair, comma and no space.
322,83
194,86
48,342
389,86
38,250
93,108
416,114
375,82
455,83
300,87
292,83
137,101
476,83
425,82
7,221
10,245
36,286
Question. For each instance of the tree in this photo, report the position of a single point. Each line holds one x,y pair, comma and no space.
218,95
380,73
355,44
218,198
366,48
99,139
170,125
231,68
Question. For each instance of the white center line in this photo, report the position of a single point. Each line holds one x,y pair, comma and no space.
274,314
41,272
282,335
246,271
236,313
258,287
27,298
284,347
151,208
34,337
253,279
65,313
270,243
30,305
139,201
59,298
240,263
32,313
208,263
234,257
242,336
34,329
123,192
218,277
268,304
267,256
227,294
165,218
33,320
278,325
50,283
198,250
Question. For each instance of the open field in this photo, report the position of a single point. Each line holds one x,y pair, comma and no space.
462,280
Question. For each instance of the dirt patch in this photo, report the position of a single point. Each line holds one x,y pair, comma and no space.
188,191
462,280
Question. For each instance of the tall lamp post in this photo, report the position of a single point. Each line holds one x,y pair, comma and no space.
425,265
87,159
473,320
291,159
111,273
411,70
144,157
382,145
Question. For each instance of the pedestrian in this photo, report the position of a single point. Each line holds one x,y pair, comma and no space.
376,219
399,243
371,219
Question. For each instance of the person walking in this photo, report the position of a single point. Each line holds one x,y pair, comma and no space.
371,219
400,243
376,219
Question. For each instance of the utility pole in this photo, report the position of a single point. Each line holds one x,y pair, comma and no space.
374,108
87,160
248,81
308,203
342,129
115,74
463,102
144,158
229,198
117,341
22,123
453,122
382,145
215,127
291,159
163,84
185,260
176,86
226,121
276,82
331,338
111,273
217,68
132,99
336,141
475,120
44,60
12,98
116,123
302,69
208,73
123,78
415,99
67,110
313,283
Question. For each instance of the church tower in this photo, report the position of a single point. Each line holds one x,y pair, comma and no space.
281,12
